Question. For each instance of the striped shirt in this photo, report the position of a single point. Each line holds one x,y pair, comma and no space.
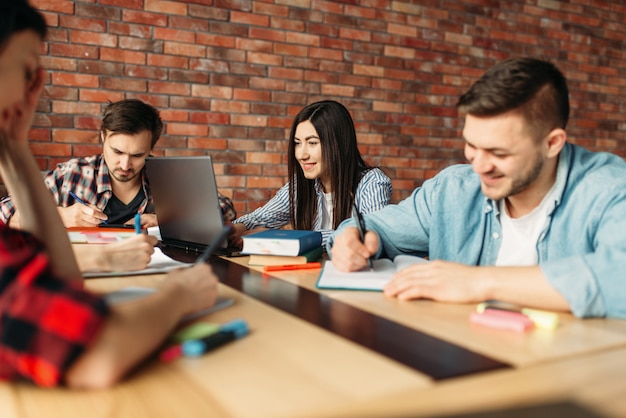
372,194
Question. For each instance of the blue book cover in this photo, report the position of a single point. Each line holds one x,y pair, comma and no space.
281,242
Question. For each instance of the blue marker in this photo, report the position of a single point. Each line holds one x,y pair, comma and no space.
228,332
138,223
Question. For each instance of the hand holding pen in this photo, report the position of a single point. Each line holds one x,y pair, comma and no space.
360,224
81,213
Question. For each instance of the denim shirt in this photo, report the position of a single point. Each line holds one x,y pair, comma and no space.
581,251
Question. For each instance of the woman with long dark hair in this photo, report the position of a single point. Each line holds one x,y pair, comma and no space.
327,175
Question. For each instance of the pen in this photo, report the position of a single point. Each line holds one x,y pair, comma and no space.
137,223
76,198
214,244
81,201
312,265
360,224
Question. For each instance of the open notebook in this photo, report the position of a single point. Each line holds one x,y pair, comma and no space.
366,279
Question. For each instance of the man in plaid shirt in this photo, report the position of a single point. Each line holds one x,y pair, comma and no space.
52,331
111,187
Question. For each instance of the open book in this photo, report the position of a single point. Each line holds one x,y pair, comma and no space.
365,279
159,263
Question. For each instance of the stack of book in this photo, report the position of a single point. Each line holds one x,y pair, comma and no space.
282,247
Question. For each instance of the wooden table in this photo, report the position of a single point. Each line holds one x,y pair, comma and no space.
297,362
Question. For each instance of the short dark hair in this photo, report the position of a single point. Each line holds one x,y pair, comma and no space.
131,116
535,88
18,15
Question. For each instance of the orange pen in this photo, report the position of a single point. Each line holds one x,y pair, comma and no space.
313,265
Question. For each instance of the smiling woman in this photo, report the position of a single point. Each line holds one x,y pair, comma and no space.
327,175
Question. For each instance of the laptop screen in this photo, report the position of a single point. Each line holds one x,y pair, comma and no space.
185,200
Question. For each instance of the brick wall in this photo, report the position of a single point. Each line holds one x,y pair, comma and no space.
229,75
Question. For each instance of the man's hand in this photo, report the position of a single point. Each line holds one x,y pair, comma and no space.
81,215
147,220
437,280
349,253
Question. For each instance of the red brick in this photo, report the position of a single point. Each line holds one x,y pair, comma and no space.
249,18
99,39
119,83
207,143
168,61
166,7
177,48
216,40
117,55
141,71
61,64
152,19
252,95
210,118
102,96
249,120
128,29
41,135
174,35
50,149
58,6
79,80
129,4
78,51
173,128
230,106
75,136
60,93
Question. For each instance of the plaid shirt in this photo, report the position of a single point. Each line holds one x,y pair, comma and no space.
45,323
89,179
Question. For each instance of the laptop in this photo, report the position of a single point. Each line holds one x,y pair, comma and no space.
186,202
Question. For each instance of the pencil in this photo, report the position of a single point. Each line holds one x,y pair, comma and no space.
312,265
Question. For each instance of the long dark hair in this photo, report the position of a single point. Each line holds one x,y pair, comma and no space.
342,160
18,15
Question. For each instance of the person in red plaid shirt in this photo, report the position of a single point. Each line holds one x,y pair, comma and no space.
52,331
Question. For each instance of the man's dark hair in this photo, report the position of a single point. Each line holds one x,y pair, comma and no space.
131,116
535,88
18,15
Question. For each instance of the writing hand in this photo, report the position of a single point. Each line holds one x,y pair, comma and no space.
81,215
349,253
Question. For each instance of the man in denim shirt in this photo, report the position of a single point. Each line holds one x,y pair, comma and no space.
532,220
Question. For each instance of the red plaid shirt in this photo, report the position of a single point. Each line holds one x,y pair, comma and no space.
45,323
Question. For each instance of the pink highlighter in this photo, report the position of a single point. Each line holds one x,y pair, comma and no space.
505,320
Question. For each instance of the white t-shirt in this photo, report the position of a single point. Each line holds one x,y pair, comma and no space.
327,211
520,235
